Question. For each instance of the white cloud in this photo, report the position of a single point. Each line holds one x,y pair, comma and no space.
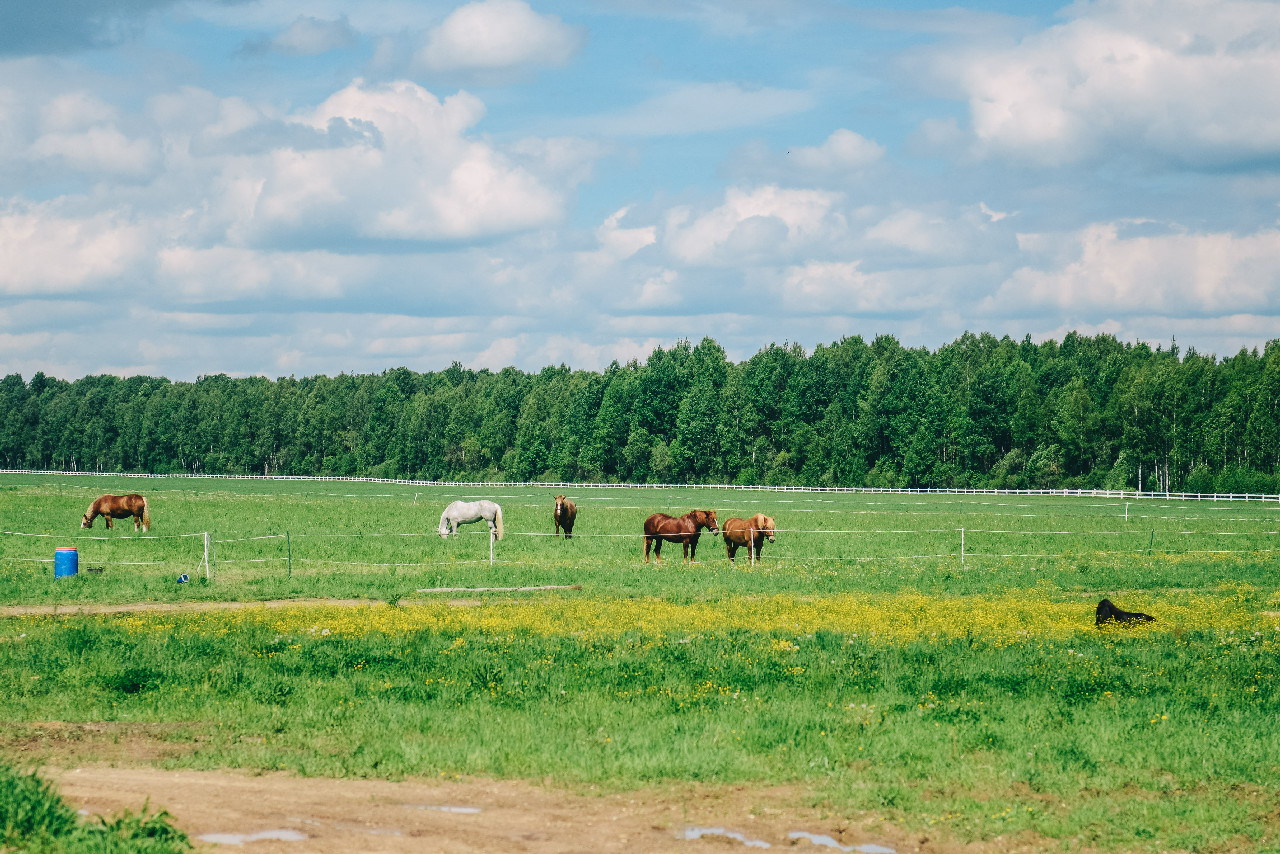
495,35
387,162
1206,274
1188,80
308,36
97,150
838,287
47,252
763,222
703,108
226,273
842,151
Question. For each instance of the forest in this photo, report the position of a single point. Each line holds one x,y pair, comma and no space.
978,412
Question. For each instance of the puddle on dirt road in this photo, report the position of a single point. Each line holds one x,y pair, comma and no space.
242,838
457,810
699,832
823,839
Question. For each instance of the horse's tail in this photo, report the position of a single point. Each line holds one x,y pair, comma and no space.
497,520
146,516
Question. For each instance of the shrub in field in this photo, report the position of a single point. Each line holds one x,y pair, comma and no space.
34,819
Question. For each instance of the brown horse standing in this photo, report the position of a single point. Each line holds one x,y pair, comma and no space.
119,507
565,515
684,529
747,532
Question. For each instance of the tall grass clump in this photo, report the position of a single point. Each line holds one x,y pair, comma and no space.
34,819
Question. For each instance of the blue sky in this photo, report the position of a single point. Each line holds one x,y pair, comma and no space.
281,187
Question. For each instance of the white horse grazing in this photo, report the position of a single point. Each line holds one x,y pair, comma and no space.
462,512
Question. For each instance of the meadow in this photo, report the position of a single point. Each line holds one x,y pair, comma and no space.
871,670
284,539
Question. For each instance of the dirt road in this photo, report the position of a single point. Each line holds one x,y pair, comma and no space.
277,812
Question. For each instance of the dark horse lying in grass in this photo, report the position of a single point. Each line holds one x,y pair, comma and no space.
566,513
119,507
1109,613
684,529
747,532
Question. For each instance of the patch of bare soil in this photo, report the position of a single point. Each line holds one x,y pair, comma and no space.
277,812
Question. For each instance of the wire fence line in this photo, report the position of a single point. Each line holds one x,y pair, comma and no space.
965,550
1095,493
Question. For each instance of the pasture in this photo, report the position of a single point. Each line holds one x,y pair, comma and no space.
860,662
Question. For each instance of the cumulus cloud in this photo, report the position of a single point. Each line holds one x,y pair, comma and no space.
308,36
842,151
1182,79
46,251
703,108
767,221
494,35
1181,275
839,287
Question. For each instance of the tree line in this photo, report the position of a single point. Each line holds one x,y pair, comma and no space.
978,412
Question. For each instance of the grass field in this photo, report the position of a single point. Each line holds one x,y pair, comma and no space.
872,669
378,540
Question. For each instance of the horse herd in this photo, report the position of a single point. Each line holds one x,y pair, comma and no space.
658,528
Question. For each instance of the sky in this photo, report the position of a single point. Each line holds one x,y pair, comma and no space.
279,187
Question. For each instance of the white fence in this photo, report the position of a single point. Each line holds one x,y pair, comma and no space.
1086,493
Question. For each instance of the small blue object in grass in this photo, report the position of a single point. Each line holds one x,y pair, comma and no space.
183,579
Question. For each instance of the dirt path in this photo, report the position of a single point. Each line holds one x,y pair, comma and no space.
130,607
277,812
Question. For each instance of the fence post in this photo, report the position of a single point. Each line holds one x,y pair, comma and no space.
209,558
288,544
962,546
1126,511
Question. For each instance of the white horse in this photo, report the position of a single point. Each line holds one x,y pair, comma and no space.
462,512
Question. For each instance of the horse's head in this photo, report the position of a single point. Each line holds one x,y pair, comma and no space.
765,526
559,505
86,521
444,527
708,519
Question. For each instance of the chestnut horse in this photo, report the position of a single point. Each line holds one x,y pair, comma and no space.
684,529
566,513
747,532
119,507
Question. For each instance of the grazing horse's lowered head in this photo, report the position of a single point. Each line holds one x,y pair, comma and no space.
119,507
684,529
462,512
747,532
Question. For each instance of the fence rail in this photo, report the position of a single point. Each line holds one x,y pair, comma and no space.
1087,493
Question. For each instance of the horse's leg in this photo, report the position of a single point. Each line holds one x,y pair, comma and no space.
657,549
107,519
647,543
731,549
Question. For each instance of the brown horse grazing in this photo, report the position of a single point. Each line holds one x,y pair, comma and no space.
119,507
684,529
747,532
566,513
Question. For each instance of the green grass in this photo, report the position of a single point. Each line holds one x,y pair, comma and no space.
34,819
1151,741
1154,740
378,540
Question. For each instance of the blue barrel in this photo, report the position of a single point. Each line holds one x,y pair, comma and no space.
66,562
